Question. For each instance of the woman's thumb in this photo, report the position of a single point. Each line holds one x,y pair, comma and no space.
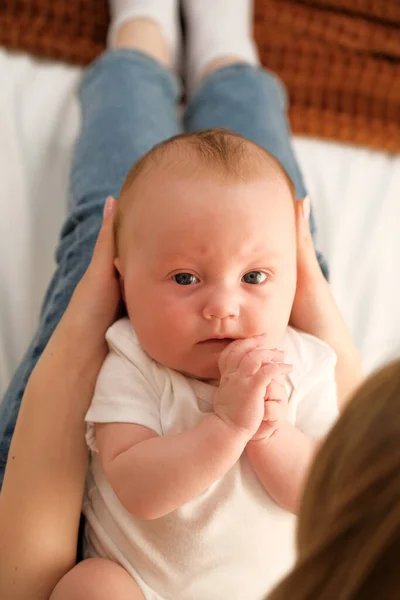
109,208
104,250
304,239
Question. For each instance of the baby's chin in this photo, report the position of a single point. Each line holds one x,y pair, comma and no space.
210,375
203,370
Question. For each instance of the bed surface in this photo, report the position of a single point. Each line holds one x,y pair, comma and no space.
355,192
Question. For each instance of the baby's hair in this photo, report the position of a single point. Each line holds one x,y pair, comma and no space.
349,526
229,154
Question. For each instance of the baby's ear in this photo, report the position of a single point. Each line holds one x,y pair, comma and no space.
117,265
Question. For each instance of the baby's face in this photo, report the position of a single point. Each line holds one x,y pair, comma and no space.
205,261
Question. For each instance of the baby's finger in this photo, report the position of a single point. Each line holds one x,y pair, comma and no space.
231,356
272,411
251,362
271,371
276,391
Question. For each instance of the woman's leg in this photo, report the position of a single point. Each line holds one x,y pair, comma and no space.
128,102
252,102
232,90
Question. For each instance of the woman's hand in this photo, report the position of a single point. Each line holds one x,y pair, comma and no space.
93,308
41,498
306,314
96,301
316,312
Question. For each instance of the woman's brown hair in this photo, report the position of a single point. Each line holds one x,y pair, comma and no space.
348,533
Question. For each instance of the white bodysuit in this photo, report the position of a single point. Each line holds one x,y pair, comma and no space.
232,541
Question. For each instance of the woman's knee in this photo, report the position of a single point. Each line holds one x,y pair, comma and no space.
97,579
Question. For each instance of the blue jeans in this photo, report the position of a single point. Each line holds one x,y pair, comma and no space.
129,104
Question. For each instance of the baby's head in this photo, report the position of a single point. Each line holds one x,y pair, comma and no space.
206,248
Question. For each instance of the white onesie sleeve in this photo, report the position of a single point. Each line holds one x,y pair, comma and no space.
318,409
128,386
315,386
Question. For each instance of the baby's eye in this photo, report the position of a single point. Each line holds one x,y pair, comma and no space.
185,278
254,277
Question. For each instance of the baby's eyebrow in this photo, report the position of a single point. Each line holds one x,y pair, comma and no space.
256,253
173,256
174,261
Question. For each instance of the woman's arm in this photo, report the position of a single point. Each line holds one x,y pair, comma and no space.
316,312
40,502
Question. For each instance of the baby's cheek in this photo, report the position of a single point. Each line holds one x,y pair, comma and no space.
274,325
174,326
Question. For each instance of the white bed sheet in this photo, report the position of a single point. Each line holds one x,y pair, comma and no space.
356,193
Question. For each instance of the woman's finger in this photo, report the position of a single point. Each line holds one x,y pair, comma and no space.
104,250
97,295
306,257
303,221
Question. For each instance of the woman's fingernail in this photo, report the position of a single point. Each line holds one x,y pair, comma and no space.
306,207
108,207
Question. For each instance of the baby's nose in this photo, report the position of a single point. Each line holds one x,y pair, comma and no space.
221,305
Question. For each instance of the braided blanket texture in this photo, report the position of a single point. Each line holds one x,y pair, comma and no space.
339,59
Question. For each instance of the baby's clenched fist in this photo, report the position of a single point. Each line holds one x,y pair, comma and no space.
275,408
247,369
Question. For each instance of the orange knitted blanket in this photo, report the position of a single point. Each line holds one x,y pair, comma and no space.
340,59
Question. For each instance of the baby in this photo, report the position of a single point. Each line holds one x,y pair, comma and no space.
201,431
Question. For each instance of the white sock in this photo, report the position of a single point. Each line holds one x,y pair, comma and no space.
217,28
163,12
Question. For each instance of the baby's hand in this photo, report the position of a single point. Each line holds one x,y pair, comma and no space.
275,409
247,369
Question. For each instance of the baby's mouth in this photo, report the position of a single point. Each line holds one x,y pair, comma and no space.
218,341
